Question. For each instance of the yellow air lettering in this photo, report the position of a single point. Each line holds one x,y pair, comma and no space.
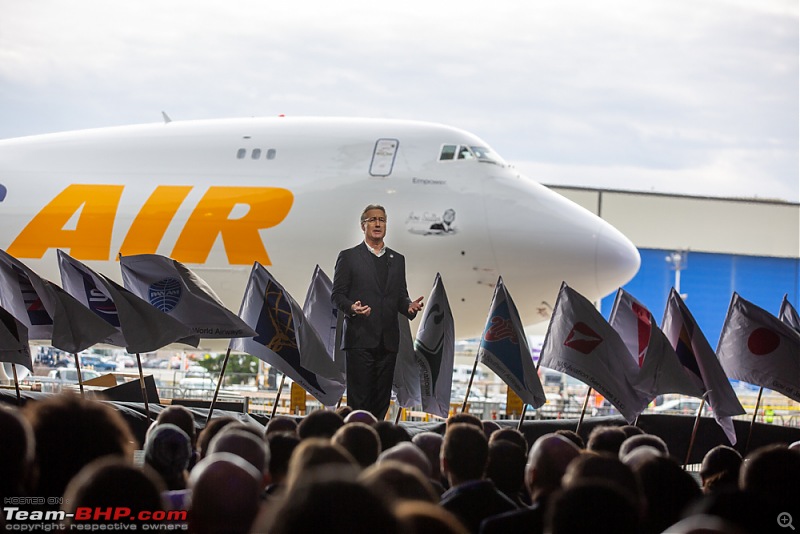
151,222
91,237
268,206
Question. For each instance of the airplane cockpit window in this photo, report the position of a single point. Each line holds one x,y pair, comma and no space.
465,153
486,155
448,152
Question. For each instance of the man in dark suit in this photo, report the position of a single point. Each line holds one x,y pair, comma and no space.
369,287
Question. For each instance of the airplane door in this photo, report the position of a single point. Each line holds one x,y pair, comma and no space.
383,157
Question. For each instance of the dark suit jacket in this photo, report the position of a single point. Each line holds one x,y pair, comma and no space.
355,278
474,501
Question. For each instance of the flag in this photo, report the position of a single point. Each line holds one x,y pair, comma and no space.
789,315
282,334
579,342
434,350
14,346
51,312
504,349
660,370
757,347
175,290
139,327
325,319
698,358
405,381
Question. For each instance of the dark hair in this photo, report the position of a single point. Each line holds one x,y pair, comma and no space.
320,424
466,451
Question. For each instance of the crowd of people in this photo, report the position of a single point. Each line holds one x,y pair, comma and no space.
345,472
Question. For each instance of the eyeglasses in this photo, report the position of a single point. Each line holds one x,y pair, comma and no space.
373,220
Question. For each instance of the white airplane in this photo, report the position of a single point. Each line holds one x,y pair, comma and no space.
288,192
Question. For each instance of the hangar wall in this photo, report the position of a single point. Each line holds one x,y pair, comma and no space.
748,246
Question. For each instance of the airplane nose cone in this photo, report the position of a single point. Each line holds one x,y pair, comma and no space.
616,259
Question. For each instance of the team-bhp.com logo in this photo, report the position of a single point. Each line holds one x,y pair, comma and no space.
93,519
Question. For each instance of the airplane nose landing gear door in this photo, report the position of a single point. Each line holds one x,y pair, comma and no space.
383,157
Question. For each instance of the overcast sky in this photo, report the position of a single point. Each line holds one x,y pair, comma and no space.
680,96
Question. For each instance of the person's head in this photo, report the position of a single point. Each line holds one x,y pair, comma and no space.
113,482
643,440
373,223
430,443
423,517
547,462
772,473
319,424
312,454
409,454
464,418
360,416
211,429
361,441
181,417
281,446
19,449
71,432
667,491
489,427
465,452
573,436
595,506
510,434
168,451
395,480
390,434
589,467
631,430
720,469
244,444
606,439
225,494
281,423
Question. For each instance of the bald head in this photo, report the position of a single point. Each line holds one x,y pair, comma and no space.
244,444
409,454
547,463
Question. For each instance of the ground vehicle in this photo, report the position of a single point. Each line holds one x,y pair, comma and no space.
70,374
684,406
97,363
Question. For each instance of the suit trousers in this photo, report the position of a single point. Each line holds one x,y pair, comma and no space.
369,379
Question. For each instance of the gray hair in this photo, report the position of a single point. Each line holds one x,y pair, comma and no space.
372,207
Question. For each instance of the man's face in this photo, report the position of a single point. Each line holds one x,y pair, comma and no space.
375,225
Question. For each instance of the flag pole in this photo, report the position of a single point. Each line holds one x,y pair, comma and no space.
219,383
583,410
469,386
694,430
144,389
16,384
278,396
338,404
78,370
752,423
399,413
525,406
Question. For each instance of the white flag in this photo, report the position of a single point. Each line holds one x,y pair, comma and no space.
14,346
660,371
282,334
324,318
757,347
579,342
697,357
788,315
435,351
139,326
175,290
52,313
504,349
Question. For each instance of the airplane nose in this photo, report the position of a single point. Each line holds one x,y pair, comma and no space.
615,258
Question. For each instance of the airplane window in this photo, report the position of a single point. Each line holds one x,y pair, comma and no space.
271,153
256,153
486,155
465,153
448,153
241,153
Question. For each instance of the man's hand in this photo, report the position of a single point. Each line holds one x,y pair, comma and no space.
415,306
358,309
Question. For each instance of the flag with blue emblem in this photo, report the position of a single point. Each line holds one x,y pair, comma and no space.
47,310
755,346
282,335
580,343
435,351
139,327
14,346
177,291
504,349
698,358
323,317
788,315
660,371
